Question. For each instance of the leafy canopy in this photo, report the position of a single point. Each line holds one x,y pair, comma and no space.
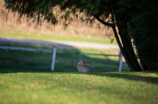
136,20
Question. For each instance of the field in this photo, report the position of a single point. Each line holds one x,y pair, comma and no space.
20,35
78,88
14,26
32,82
23,82
44,66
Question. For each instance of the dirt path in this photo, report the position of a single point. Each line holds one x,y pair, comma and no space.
60,44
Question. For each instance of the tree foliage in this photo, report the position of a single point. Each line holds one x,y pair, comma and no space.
144,31
135,20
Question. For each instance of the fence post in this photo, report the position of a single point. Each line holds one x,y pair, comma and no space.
120,62
53,58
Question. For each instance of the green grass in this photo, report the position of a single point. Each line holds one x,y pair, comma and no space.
44,66
4,34
78,88
32,82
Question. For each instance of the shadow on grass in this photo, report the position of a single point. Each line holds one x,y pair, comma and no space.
32,43
11,66
135,76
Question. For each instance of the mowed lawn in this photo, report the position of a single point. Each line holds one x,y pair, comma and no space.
20,35
44,66
32,82
79,88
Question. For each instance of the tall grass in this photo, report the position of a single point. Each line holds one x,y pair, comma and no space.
12,22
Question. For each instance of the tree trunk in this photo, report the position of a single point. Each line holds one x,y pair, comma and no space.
126,47
122,49
129,53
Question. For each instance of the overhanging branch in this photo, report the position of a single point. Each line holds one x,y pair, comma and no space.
103,22
113,27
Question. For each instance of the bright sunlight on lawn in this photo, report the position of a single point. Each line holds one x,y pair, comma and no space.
76,88
20,35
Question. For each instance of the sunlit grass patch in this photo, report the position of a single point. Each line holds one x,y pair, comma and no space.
77,88
20,35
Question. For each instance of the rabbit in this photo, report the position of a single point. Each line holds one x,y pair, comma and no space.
83,68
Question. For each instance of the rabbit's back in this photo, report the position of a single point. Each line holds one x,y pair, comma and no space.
84,68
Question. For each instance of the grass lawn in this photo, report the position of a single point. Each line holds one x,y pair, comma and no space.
44,66
32,82
78,88
4,34
25,82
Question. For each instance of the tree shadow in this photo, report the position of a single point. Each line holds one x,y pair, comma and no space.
12,66
131,76
33,43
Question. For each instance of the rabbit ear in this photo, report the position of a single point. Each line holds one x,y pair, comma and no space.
81,61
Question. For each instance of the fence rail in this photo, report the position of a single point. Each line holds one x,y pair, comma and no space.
54,60
59,60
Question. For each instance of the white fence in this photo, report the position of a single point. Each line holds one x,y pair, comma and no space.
54,60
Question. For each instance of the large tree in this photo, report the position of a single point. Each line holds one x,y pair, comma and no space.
123,16
144,31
